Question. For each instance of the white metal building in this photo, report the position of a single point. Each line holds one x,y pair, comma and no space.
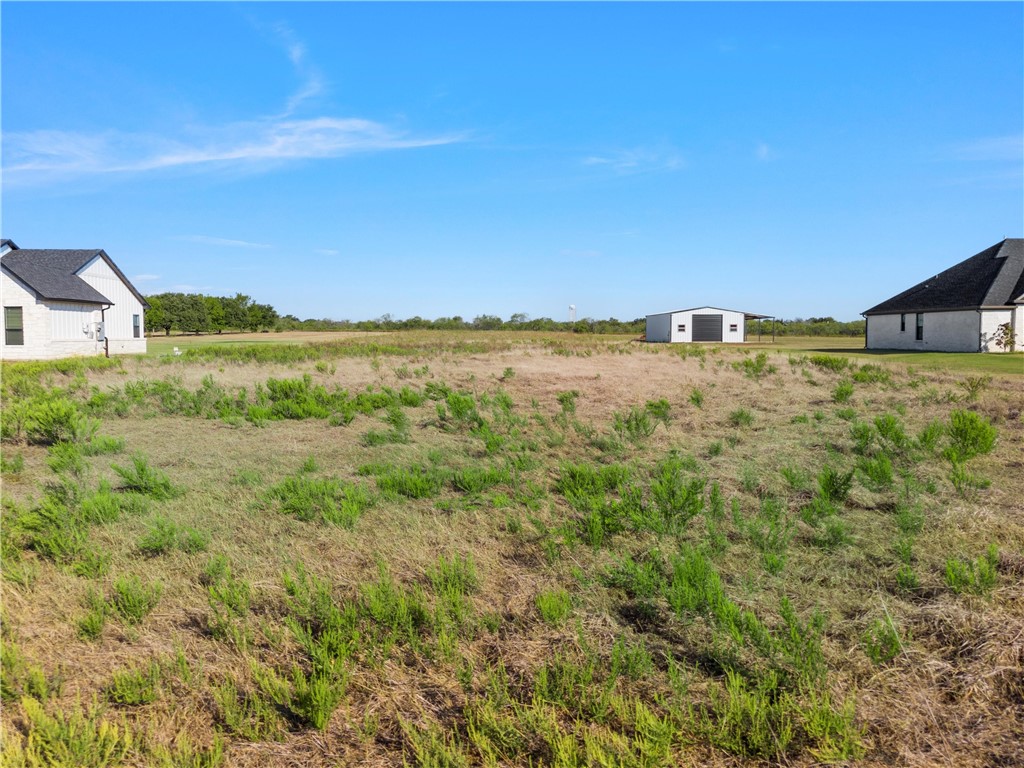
64,303
699,324
958,310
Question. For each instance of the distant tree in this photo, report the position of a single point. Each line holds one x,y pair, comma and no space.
236,311
156,316
261,316
193,317
215,312
518,318
487,323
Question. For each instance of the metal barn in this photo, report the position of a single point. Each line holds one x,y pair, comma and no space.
700,324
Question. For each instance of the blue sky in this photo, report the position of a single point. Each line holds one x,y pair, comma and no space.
350,160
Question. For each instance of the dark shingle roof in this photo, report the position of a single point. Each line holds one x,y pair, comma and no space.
992,278
51,273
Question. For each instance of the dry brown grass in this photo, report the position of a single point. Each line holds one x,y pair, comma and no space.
953,696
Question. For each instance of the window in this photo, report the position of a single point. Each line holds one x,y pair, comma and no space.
681,328
14,329
135,326
920,326
733,327
903,323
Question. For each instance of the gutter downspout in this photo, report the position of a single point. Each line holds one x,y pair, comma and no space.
106,337
979,330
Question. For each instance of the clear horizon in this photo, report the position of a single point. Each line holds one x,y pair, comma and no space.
348,161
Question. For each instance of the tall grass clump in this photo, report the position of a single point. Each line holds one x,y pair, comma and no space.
141,478
829,363
973,576
132,600
326,500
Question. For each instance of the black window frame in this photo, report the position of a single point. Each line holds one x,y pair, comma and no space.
903,323
136,326
681,328
17,333
919,327
734,328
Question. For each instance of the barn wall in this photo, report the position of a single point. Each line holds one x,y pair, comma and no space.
658,327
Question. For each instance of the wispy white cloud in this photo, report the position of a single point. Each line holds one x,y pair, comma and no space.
145,278
312,82
43,156
989,148
764,153
638,160
205,240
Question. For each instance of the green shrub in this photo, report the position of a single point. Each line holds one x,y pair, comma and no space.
741,418
833,485
320,499
81,737
12,465
882,641
454,576
871,374
970,435
144,479
248,715
829,362
697,398
133,600
643,578
414,482
161,537
973,386
554,606
978,576
877,471
843,392
132,687
907,579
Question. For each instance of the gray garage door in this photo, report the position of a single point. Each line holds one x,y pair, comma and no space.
707,327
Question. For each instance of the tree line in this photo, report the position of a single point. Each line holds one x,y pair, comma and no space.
196,313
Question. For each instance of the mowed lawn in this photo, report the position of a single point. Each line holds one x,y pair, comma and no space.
477,548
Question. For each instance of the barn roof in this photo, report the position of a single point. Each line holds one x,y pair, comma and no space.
52,273
992,278
748,315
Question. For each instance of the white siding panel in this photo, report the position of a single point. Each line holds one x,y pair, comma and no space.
117,318
73,322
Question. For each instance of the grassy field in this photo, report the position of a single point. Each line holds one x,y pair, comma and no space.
477,549
850,346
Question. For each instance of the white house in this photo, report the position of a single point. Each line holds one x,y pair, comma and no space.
699,324
62,303
958,310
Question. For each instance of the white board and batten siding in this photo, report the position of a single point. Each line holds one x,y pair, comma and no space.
119,320
700,324
56,329
968,330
